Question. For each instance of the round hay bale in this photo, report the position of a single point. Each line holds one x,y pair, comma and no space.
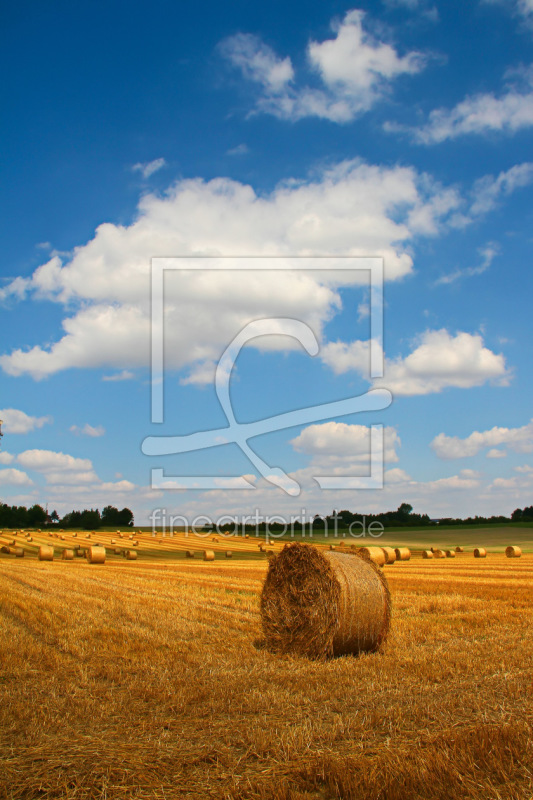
4,548
96,555
113,541
209,555
480,552
402,553
214,539
12,543
513,551
79,552
323,604
374,554
117,551
88,536
135,542
427,553
75,535
341,544
18,552
131,555
390,555
439,554
459,549
29,538
67,555
246,535
450,553
332,547
45,553
62,537
229,554
189,554
120,534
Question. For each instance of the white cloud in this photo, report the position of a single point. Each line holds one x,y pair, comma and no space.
351,209
16,421
485,113
518,439
124,375
340,440
239,150
487,253
14,477
6,458
396,475
495,453
526,469
354,67
88,430
149,167
58,468
439,361
488,190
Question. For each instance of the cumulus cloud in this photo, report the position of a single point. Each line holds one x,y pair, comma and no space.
478,114
14,477
351,209
124,375
354,68
88,430
339,440
495,453
440,360
6,458
16,421
518,439
59,468
149,167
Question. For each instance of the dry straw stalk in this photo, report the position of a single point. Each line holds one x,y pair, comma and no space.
324,604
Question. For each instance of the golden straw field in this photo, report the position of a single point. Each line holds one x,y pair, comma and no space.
149,679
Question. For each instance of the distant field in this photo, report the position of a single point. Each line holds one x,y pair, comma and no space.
148,679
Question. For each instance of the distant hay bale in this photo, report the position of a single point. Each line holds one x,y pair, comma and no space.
374,554
450,553
323,604
246,535
229,554
113,541
390,555
214,539
120,534
67,555
79,552
117,551
513,551
332,547
96,555
62,537
135,542
459,549
341,544
4,548
132,555
18,552
480,552
427,553
88,536
45,553
439,554
189,554
209,555
29,538
12,543
402,553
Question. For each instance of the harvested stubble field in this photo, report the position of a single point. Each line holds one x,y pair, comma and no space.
148,680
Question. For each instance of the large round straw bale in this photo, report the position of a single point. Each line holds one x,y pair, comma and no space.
67,554
45,553
18,552
390,555
96,555
459,549
209,555
480,552
513,551
189,553
323,604
374,554
450,553
439,554
4,548
131,555
402,553
229,554
427,554
117,551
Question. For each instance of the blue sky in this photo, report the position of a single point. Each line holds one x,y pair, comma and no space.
399,129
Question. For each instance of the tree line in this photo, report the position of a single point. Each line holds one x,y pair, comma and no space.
88,519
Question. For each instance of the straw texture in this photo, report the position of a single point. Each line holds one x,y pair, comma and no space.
324,604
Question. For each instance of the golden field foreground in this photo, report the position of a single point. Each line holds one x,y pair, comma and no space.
147,679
